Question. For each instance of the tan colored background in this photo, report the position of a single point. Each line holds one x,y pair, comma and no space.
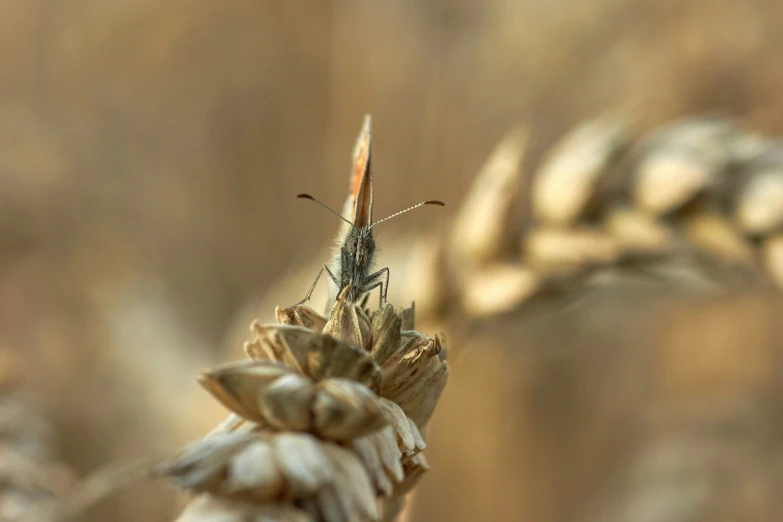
150,152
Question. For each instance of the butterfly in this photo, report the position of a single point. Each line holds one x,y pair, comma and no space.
353,263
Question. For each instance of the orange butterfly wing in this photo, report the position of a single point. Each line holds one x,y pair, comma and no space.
361,177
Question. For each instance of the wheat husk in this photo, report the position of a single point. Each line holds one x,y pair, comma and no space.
573,168
324,424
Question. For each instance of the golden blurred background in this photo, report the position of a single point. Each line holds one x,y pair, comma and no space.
150,154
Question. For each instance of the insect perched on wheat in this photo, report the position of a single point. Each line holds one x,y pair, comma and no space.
354,261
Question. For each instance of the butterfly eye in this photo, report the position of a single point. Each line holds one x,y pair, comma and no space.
352,244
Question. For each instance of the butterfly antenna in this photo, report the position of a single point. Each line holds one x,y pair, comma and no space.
428,202
330,209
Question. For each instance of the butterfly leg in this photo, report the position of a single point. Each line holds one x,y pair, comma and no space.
312,287
384,287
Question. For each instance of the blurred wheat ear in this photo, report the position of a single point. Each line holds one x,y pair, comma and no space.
699,195
31,478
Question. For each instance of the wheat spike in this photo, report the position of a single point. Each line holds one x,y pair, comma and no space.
606,197
328,417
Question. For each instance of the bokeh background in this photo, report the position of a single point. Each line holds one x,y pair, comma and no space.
150,152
